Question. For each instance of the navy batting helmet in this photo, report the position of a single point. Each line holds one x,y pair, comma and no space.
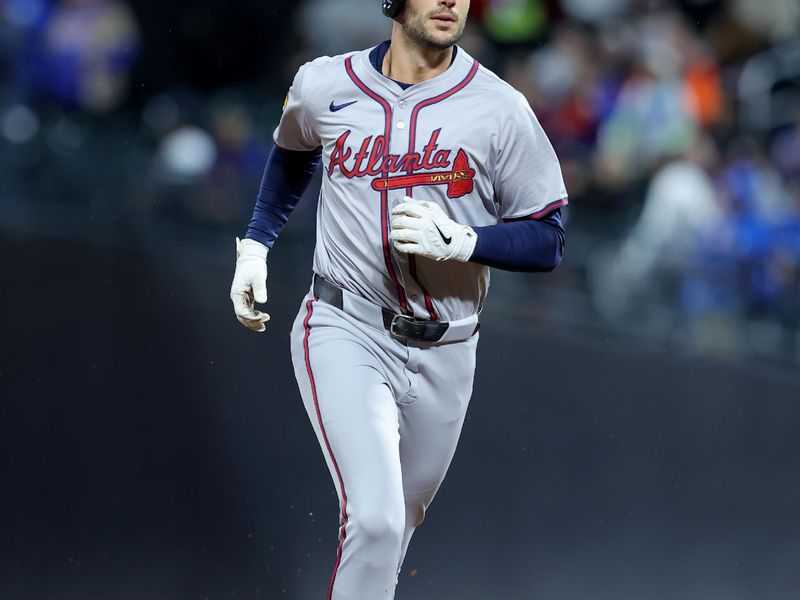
392,8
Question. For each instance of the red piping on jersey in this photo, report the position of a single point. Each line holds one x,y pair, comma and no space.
342,530
434,100
540,213
387,132
412,140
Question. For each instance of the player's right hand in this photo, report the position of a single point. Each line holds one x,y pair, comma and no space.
250,284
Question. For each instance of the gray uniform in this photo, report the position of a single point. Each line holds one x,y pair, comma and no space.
387,413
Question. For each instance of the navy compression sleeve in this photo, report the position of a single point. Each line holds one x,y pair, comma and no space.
285,179
528,245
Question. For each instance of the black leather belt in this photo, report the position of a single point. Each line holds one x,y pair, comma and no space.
398,325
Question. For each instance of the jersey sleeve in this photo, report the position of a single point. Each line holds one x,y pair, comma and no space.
528,182
295,130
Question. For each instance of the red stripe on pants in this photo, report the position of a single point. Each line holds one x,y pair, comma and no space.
342,531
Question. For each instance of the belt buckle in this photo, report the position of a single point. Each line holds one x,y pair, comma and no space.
392,331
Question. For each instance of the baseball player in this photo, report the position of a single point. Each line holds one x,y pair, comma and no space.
434,169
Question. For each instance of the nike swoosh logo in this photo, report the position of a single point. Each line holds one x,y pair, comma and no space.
335,107
447,240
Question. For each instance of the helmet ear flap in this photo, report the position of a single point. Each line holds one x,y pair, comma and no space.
392,8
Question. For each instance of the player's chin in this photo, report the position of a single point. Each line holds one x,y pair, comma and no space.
443,38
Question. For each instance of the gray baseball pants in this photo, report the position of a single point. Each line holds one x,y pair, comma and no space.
388,417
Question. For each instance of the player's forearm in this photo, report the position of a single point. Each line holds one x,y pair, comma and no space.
529,246
285,180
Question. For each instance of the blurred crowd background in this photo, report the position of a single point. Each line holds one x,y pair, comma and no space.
677,123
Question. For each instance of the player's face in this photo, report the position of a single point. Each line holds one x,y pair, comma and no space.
435,24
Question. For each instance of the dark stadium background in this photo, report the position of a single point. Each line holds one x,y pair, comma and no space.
642,445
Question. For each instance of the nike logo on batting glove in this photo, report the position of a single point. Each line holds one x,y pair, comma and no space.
446,239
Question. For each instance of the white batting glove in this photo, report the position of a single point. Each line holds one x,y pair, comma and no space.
250,284
422,228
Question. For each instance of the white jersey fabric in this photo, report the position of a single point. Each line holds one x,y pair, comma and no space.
465,139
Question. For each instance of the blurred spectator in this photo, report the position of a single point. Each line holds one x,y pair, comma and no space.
680,206
671,91
240,152
776,20
232,183
18,18
786,150
81,53
769,88
596,11
762,222
207,165
514,22
186,154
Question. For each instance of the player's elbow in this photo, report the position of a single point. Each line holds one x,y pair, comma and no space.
555,257
550,265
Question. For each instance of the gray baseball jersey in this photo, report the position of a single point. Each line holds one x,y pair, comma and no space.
464,139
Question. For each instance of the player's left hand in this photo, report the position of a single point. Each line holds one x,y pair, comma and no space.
422,228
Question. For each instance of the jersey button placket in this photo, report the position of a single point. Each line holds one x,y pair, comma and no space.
400,113
397,143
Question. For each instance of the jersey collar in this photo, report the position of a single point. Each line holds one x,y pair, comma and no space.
386,87
378,54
